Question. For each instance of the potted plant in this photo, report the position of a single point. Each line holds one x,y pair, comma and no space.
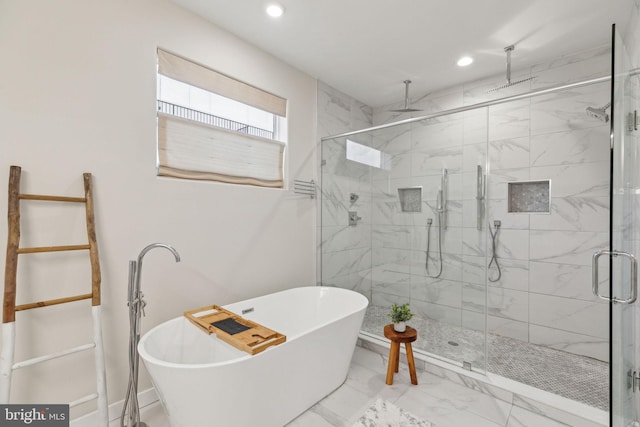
399,315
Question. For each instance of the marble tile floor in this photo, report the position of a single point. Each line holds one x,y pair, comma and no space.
435,399
575,377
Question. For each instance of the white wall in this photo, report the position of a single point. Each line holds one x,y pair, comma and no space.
77,94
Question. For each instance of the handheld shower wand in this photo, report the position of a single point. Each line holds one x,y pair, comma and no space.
480,196
441,200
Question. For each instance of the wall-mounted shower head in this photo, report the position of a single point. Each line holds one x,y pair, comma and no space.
406,108
599,113
509,83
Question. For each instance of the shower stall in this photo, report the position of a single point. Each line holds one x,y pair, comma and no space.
485,218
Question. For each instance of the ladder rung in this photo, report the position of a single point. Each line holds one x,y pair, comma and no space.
52,198
84,399
47,303
10,291
53,249
47,357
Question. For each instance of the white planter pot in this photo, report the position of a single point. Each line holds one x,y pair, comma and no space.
400,327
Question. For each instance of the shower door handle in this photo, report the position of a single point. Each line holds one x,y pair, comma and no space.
633,276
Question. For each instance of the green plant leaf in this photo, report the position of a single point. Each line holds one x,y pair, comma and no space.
400,313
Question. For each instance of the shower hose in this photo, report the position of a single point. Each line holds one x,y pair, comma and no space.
494,255
426,264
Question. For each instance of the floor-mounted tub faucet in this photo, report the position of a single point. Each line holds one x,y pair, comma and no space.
144,251
136,305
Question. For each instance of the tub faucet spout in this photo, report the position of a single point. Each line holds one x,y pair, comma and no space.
143,252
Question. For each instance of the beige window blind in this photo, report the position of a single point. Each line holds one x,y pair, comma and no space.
192,150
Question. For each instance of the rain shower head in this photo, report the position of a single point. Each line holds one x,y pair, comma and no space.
599,113
509,83
406,108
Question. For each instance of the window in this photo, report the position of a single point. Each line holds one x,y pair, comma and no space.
180,99
213,127
364,154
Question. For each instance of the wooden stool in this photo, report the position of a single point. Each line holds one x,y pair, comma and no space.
406,337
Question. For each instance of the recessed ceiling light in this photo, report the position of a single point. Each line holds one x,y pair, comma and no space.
464,61
275,10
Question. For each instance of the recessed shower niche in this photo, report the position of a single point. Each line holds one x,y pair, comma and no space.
529,197
410,199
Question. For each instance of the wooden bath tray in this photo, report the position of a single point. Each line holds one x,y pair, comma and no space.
234,329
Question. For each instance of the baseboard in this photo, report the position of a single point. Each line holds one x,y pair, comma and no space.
146,397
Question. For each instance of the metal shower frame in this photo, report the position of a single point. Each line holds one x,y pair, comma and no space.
478,105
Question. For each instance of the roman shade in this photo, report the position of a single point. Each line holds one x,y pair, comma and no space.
191,149
186,71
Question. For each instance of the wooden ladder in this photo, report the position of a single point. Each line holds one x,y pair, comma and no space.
7,365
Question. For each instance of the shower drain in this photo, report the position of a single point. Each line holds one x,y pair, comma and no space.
453,343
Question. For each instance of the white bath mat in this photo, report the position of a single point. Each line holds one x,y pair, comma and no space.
386,414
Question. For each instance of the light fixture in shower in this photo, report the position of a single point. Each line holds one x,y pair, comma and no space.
599,113
406,108
509,83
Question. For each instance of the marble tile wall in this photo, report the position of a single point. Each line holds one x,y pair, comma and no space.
344,251
544,293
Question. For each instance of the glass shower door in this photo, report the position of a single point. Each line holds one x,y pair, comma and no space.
625,237
400,223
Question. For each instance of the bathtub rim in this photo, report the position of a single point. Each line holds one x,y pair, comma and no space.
146,357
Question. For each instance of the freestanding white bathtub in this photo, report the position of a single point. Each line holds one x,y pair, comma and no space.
203,381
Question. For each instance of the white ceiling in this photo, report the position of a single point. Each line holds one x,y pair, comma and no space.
366,48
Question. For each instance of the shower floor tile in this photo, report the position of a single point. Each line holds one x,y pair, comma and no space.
575,377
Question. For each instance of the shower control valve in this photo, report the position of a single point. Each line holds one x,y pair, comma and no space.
141,303
354,218
635,381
